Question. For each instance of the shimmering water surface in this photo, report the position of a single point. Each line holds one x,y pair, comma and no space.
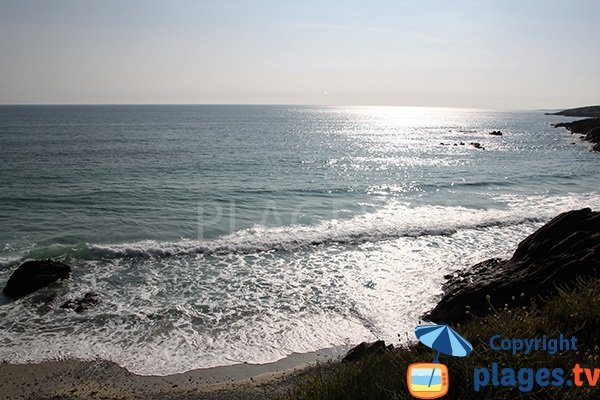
225,234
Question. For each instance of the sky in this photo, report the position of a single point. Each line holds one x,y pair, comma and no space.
505,54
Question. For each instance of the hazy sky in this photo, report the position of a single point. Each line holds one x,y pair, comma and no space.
488,54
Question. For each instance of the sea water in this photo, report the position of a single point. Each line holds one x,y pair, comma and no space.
217,235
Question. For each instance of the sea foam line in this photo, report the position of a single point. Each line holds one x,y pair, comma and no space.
392,221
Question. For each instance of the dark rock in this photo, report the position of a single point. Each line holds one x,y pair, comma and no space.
33,275
593,135
477,145
590,128
580,126
364,349
84,303
496,133
565,249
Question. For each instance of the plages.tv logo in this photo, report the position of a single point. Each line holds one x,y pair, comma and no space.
431,380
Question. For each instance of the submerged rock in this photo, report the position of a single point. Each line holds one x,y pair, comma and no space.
563,250
84,303
34,275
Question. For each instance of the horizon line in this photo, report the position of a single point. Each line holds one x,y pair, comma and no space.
274,104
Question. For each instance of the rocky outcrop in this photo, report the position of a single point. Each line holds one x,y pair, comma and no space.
365,349
477,145
565,249
496,133
593,134
580,126
589,127
34,275
82,304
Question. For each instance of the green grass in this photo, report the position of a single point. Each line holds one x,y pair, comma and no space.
574,311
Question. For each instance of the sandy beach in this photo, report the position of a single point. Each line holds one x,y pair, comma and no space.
106,380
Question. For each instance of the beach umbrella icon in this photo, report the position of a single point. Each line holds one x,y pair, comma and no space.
443,339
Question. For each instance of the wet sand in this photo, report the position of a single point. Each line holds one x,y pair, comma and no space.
106,380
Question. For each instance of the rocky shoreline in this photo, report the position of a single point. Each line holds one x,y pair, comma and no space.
557,255
589,128
562,251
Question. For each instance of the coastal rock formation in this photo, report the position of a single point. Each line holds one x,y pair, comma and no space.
593,134
84,303
34,275
496,133
581,126
364,349
589,127
566,248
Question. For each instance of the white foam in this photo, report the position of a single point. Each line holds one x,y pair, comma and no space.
392,221
170,314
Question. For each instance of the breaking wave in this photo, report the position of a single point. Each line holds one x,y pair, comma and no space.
391,222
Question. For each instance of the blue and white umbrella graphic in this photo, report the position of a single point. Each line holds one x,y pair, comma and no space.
443,339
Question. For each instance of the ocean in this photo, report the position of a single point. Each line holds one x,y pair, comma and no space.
217,235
